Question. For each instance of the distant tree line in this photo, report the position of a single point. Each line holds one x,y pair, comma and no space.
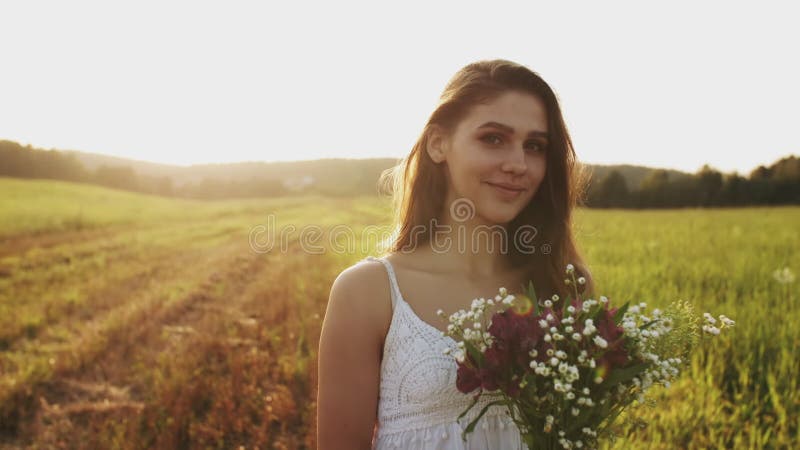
774,185
28,162
778,184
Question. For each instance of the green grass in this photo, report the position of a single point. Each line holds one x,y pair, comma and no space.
45,206
741,391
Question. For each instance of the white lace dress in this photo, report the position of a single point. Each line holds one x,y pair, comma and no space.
419,404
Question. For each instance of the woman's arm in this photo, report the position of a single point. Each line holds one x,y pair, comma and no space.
349,363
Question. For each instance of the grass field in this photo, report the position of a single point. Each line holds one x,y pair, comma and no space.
131,321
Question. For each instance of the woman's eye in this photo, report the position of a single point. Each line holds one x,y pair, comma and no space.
494,139
491,139
538,146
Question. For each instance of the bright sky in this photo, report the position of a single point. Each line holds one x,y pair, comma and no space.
675,85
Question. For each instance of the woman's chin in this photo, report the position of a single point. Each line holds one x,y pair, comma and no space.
500,217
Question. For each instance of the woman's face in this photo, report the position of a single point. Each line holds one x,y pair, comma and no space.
496,156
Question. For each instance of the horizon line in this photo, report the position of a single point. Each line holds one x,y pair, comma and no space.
397,158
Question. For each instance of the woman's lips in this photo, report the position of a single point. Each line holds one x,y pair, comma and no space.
505,192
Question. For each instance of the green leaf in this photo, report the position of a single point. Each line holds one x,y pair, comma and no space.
595,311
472,404
474,353
621,312
624,375
531,293
648,324
474,422
609,418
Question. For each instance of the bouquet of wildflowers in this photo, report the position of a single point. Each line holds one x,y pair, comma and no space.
566,368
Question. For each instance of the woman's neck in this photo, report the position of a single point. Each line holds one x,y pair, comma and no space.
470,247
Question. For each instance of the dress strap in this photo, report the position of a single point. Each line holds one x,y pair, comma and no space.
393,287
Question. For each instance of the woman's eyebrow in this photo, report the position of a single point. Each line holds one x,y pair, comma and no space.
510,130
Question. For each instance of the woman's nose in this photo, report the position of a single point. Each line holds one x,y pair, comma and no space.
515,161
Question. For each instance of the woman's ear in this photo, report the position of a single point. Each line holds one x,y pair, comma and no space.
437,144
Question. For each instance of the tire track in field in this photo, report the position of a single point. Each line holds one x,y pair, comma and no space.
150,265
114,333
270,358
76,388
18,244
108,389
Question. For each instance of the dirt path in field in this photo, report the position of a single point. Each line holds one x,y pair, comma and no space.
104,383
102,300
20,243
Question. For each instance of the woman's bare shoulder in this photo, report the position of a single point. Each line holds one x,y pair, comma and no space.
363,289
367,276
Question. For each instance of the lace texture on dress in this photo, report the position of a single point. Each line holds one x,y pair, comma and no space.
418,381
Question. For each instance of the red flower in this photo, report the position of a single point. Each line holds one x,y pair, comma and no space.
467,379
506,360
514,336
490,378
615,355
497,356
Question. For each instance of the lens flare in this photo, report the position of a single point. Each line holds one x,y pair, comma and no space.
523,305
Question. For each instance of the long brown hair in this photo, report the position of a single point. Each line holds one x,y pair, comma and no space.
419,185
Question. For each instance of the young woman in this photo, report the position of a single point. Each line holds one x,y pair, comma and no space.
484,200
